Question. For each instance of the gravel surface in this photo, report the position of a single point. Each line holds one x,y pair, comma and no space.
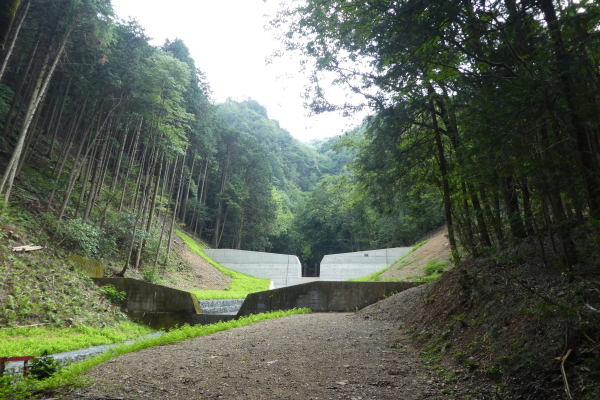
362,355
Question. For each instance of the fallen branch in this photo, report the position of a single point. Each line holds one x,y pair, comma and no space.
24,326
564,373
27,247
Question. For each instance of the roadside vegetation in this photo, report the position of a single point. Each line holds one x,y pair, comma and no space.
37,340
15,388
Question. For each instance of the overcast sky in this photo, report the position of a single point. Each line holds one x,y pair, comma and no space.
228,42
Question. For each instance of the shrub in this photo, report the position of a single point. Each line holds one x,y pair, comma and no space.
80,237
113,295
44,367
434,267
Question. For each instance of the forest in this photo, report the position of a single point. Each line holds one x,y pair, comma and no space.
485,117
117,142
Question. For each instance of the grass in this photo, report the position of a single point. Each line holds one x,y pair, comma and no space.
33,341
69,376
241,284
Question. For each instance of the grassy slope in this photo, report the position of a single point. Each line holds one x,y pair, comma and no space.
241,284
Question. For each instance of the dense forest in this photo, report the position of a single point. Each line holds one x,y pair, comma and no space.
485,117
116,142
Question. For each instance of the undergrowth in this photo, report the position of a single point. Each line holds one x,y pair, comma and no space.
241,284
35,340
519,320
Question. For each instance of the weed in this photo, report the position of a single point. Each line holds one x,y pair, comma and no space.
44,367
434,267
113,295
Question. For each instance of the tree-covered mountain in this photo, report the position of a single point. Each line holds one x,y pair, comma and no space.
119,142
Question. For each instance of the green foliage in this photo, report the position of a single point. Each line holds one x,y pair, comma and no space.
81,237
113,295
35,340
44,367
41,289
241,284
434,267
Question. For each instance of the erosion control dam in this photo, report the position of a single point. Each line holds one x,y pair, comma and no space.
285,270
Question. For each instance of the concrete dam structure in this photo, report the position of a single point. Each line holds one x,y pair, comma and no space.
282,269
285,270
346,266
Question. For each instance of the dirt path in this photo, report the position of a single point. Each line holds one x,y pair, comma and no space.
363,355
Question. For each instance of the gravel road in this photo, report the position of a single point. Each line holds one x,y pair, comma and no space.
362,355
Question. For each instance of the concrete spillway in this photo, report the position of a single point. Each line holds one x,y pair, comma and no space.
225,306
285,270
345,266
282,269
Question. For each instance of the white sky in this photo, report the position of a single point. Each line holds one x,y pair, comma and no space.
228,43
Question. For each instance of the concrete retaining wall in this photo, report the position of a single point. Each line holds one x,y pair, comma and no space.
168,320
147,297
282,269
321,296
345,266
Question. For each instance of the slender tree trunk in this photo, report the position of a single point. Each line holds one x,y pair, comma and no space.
445,181
57,126
78,166
186,191
85,179
238,242
165,213
511,205
138,180
39,92
579,106
117,171
95,178
177,201
6,183
24,8
131,161
65,155
155,194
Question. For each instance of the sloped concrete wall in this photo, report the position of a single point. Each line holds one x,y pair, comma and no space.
168,320
147,297
321,296
345,266
282,269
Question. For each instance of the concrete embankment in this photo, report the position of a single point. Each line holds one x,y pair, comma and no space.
346,266
322,296
282,269
161,307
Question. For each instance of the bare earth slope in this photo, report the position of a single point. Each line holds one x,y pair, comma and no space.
361,355
436,249
195,272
